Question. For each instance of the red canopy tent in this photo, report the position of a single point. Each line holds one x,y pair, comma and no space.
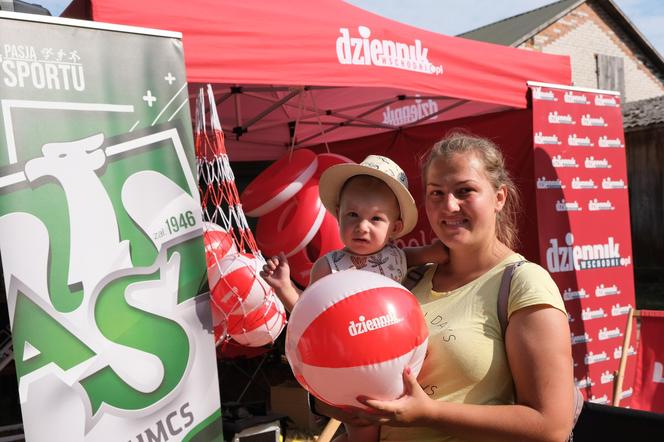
301,73
290,74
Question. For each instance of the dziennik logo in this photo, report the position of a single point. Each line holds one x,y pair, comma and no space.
611,290
567,206
605,334
545,183
589,120
601,100
594,205
588,314
540,138
572,98
620,310
367,51
410,113
580,339
569,294
559,161
607,142
578,183
544,95
609,183
556,118
574,140
566,256
364,325
607,377
591,163
617,352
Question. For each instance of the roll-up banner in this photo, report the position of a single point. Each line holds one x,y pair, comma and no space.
100,234
584,229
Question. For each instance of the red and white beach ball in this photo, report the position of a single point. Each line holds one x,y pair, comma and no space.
260,326
353,333
240,289
218,243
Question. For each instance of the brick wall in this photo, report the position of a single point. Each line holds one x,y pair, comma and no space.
587,31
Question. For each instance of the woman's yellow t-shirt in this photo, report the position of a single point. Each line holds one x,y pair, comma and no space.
466,360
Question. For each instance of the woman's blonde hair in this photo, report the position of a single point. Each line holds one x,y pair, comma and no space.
489,154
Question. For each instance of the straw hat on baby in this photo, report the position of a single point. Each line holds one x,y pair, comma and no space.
376,166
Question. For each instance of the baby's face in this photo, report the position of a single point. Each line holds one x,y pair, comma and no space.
368,216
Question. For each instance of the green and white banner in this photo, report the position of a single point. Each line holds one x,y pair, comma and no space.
100,235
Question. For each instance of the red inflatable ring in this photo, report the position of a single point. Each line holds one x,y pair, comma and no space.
291,227
326,239
327,160
279,182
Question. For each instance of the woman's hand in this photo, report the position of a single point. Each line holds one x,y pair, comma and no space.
347,416
413,408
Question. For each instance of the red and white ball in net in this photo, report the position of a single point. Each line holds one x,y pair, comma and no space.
353,333
251,312
260,326
218,243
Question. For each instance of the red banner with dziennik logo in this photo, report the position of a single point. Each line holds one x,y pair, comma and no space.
583,227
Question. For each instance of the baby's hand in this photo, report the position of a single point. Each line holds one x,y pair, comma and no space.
276,272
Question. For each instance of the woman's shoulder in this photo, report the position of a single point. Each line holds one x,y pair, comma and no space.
528,270
532,284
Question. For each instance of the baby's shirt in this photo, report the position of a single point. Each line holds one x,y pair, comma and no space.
390,261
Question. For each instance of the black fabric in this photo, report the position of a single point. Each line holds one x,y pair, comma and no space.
606,424
312,405
414,276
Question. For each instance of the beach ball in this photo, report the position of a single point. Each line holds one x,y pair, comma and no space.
258,327
218,243
240,289
353,333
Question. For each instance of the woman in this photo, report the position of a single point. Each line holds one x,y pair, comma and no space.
476,384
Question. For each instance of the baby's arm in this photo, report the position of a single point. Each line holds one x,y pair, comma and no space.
435,252
276,273
319,269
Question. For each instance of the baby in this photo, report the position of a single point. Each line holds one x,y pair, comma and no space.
372,203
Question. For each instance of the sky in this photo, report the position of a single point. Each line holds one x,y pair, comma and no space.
453,17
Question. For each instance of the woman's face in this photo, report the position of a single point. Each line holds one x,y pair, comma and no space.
460,202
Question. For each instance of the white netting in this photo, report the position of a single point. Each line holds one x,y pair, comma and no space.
244,307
